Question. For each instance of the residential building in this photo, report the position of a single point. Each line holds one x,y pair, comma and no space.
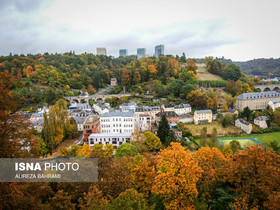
117,122
178,133
261,121
80,106
143,122
116,139
152,111
101,51
91,125
256,100
123,52
182,109
172,117
128,107
80,123
38,125
159,50
274,104
244,125
101,107
114,82
186,118
79,113
167,107
203,116
36,116
141,51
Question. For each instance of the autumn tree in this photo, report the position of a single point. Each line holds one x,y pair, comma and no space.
214,66
152,141
197,99
91,90
61,201
212,162
227,152
214,138
126,78
191,66
254,173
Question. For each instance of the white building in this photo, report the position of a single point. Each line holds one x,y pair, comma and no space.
128,107
274,104
101,51
182,109
167,107
117,122
152,111
261,121
80,106
116,139
101,107
203,116
143,122
244,125
80,122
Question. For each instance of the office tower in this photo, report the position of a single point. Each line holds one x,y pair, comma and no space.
141,51
159,50
123,52
101,51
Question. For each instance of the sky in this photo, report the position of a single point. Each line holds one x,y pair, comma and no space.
236,29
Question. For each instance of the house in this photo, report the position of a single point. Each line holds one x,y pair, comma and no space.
114,82
38,125
186,118
167,107
152,111
261,121
274,104
233,111
143,122
80,106
90,126
79,113
178,133
203,116
244,125
101,107
116,139
182,109
128,107
117,122
36,116
172,117
256,100
80,121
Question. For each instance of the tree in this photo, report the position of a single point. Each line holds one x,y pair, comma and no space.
197,99
108,150
94,199
191,66
246,113
152,141
203,137
214,138
176,177
274,145
253,173
224,107
235,146
227,152
85,151
212,162
163,129
125,150
232,72
130,199
214,66
61,201
91,90
63,152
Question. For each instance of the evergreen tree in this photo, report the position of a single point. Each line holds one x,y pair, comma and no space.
203,137
214,138
163,130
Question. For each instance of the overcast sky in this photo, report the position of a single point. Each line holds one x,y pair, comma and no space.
237,29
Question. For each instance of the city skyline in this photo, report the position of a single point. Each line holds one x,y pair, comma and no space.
239,30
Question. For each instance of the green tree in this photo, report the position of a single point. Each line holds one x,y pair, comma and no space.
232,72
214,138
43,147
203,137
235,146
246,113
125,150
163,130
152,141
274,145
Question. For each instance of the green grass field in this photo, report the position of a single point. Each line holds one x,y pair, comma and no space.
264,138
243,142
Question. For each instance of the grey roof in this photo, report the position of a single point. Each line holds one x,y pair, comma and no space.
117,113
38,114
168,105
244,122
79,120
180,106
255,95
147,108
167,114
203,111
275,101
261,118
38,122
231,110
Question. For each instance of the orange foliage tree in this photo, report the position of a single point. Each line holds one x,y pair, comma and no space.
177,176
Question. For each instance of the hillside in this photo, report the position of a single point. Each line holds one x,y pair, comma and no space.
261,67
203,74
